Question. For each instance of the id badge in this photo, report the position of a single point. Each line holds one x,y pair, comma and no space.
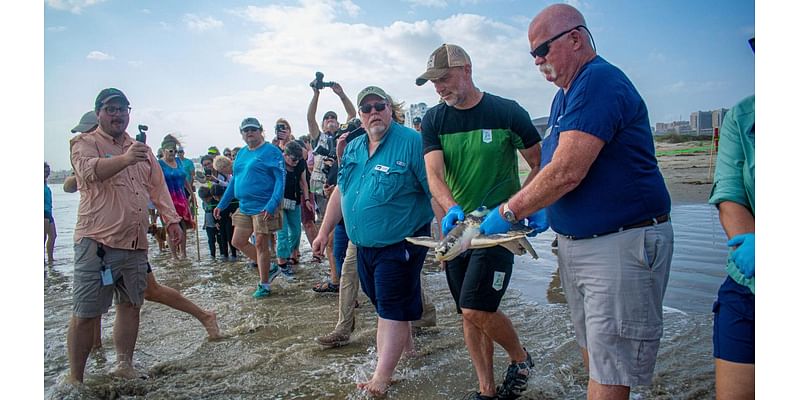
106,277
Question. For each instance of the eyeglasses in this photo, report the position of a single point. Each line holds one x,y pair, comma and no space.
246,130
544,48
169,150
293,158
367,108
227,154
111,110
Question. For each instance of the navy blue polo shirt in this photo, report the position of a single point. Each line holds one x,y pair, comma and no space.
624,185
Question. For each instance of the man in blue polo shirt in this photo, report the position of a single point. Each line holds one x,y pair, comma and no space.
383,196
606,199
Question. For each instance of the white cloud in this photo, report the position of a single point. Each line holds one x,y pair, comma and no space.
428,3
286,53
99,56
73,6
393,56
56,28
199,24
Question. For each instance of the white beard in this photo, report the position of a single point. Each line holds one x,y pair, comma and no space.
548,71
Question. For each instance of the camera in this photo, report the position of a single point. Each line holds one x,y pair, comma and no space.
318,83
142,136
353,127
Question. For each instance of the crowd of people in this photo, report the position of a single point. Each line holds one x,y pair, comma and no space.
359,188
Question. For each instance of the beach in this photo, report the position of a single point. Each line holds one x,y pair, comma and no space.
269,350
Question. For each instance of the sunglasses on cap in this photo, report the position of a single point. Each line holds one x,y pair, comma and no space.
367,108
544,48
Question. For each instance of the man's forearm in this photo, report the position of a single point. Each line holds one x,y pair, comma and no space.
311,117
736,219
333,212
348,106
108,167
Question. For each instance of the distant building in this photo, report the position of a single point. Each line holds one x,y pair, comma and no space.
415,110
666,128
700,121
717,116
541,125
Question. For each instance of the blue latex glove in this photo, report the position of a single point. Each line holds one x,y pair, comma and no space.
538,222
494,223
454,214
745,255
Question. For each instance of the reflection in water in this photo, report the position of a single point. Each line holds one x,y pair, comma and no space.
269,349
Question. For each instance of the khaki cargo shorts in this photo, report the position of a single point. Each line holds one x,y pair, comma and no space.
257,223
90,298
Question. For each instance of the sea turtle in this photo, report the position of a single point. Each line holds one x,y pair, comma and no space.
466,235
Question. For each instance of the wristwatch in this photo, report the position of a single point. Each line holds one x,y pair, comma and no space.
508,215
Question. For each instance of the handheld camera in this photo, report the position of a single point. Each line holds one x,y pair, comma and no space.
142,136
318,83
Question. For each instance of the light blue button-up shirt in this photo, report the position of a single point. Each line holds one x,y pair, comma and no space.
385,197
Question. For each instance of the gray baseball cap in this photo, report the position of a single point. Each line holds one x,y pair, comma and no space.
88,122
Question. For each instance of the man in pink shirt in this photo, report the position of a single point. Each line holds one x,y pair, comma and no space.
116,176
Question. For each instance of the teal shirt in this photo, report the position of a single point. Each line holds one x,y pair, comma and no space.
735,176
385,198
188,167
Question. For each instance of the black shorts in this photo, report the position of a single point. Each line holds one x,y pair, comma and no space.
478,278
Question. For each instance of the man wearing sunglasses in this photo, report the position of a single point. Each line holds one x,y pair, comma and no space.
257,182
116,176
470,141
606,200
383,197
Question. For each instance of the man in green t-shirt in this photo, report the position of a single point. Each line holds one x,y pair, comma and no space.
470,140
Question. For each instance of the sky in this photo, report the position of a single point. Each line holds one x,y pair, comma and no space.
197,68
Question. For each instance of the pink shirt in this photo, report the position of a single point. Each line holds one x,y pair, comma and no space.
114,212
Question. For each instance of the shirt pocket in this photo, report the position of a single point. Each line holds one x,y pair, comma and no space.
346,169
386,185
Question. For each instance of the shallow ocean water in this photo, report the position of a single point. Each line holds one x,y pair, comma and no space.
269,350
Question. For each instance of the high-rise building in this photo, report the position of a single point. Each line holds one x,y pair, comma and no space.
717,116
700,122
415,110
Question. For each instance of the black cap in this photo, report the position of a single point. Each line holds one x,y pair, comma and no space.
417,120
106,95
329,113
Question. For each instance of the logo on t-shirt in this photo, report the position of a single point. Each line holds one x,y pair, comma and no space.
487,136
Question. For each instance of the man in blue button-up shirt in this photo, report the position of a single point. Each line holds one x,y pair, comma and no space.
383,195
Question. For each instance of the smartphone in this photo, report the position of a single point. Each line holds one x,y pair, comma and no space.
280,131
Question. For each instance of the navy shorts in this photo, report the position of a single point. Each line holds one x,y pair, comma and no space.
390,278
478,278
735,323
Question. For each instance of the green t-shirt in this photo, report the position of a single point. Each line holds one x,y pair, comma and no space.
479,148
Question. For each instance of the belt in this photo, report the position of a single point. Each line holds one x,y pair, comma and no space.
648,222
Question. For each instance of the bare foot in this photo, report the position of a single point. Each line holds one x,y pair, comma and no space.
124,370
377,386
210,323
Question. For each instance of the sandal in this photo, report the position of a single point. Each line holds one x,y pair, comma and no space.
292,261
326,287
316,259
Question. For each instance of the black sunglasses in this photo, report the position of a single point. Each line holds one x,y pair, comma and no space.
367,108
293,158
544,48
